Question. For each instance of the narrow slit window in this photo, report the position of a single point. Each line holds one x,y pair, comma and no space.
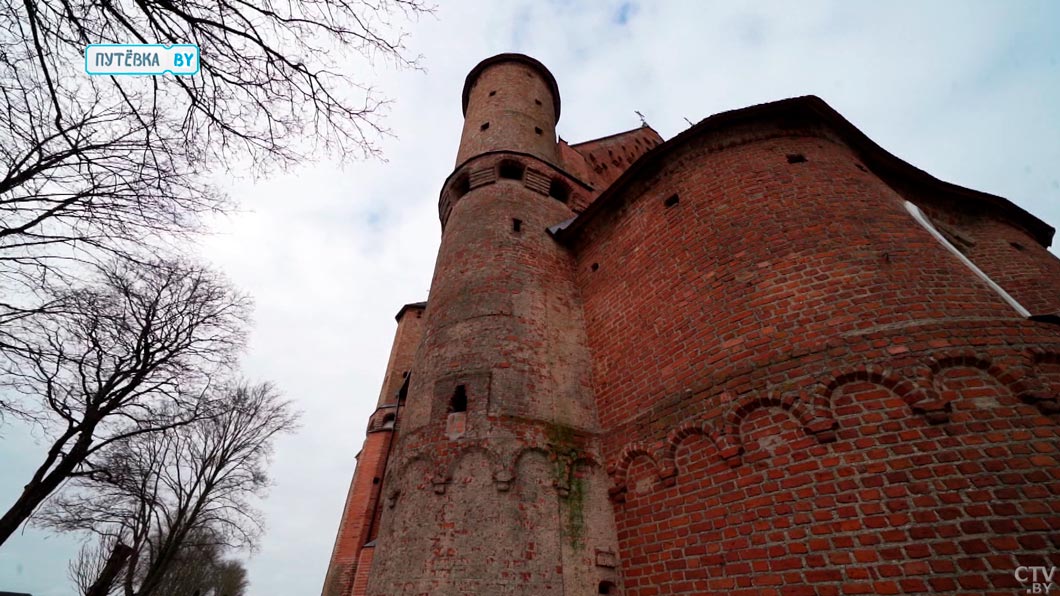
796,158
671,201
492,93
459,401
537,129
403,393
537,101
484,126
517,225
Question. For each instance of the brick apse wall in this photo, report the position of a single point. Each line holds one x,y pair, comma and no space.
735,364
803,392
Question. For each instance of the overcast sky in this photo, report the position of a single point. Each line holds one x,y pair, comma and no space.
968,91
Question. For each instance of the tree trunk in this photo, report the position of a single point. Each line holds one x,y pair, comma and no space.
42,486
110,571
18,513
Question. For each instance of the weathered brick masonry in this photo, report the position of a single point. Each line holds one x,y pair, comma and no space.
734,362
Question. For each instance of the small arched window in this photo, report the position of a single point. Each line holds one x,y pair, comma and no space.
559,190
511,170
388,421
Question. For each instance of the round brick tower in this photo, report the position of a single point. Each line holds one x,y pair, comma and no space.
496,485
511,103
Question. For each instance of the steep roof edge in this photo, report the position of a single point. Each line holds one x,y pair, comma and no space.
875,156
545,73
614,135
408,307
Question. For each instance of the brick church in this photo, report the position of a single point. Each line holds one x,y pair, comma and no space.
765,356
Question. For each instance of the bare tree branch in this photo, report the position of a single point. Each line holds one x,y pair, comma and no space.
96,168
133,355
91,564
200,568
187,488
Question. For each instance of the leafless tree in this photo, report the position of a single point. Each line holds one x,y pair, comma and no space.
231,579
93,185
201,569
270,71
198,569
137,353
101,167
97,565
89,564
103,338
190,489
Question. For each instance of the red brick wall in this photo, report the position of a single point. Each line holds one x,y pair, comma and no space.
480,502
360,514
792,386
759,260
514,100
802,392
407,338
1004,251
503,304
574,162
355,526
364,568
894,505
607,158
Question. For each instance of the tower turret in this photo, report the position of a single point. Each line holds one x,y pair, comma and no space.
496,484
511,103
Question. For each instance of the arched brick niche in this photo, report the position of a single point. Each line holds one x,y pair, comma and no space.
891,500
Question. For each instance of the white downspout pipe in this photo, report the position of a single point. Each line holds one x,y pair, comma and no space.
922,219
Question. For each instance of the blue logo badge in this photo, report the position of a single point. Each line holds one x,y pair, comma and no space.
141,59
